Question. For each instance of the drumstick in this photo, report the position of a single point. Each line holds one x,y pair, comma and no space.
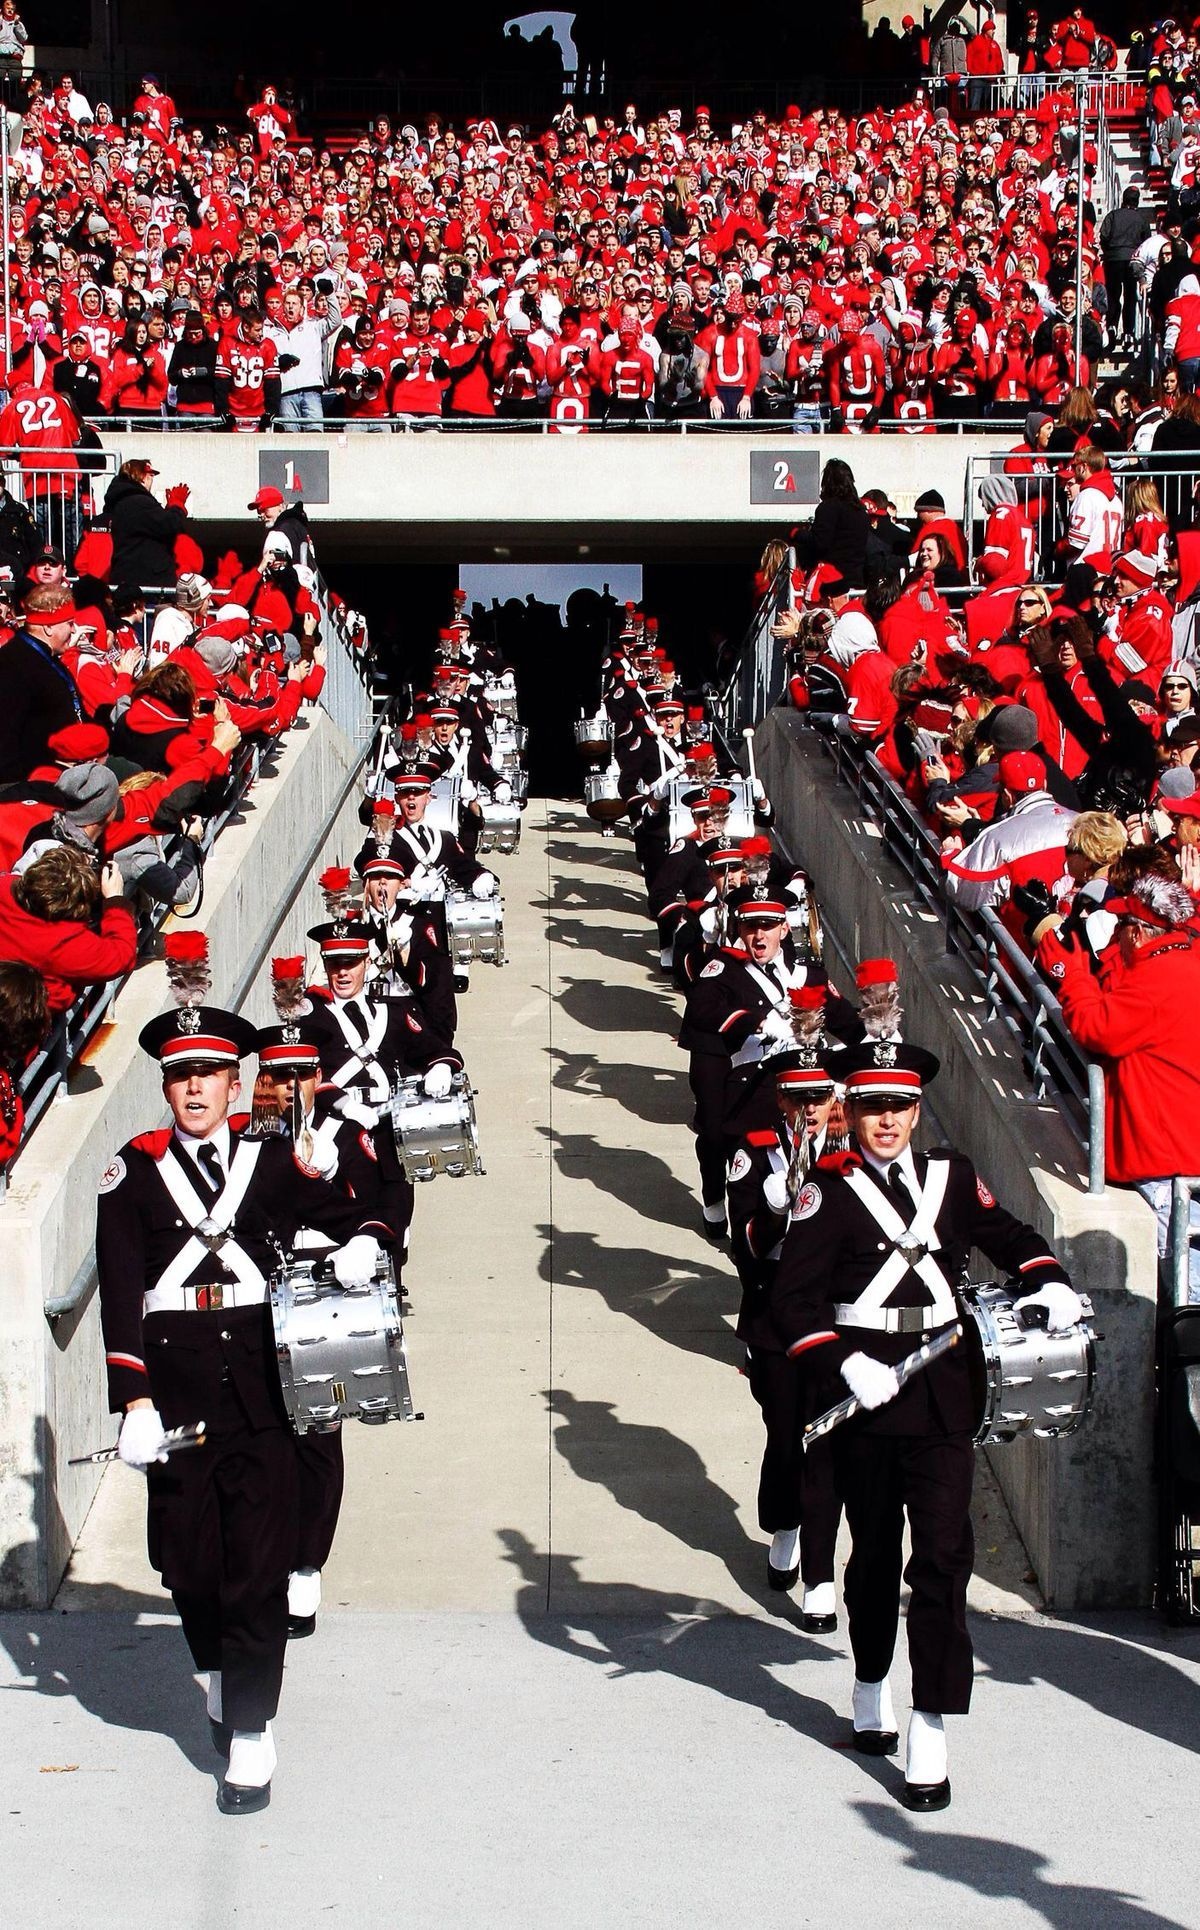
173,1440
749,737
914,1363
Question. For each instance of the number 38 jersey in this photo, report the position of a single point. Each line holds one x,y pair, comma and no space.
246,366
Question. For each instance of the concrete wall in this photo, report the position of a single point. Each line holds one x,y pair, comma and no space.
1085,1506
493,478
52,1373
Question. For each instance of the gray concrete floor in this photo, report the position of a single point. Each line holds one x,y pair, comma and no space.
574,1516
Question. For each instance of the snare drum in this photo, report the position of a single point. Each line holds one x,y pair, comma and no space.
1028,1382
340,1350
501,694
739,818
436,1136
594,738
501,828
602,796
475,928
445,800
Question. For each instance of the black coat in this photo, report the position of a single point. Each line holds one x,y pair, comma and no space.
143,534
20,538
839,536
37,698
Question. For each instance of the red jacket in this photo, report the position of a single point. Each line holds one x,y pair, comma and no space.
69,955
1133,1017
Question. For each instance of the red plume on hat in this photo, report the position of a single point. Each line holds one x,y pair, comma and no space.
878,984
287,988
458,598
335,888
808,1012
189,976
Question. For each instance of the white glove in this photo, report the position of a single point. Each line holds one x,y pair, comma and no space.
775,1026
469,791
141,1438
872,1382
438,1080
1063,1306
775,1192
359,1112
485,885
708,922
354,1264
759,791
502,792
662,785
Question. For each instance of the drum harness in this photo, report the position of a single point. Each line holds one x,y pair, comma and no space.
363,1052
910,1250
212,1233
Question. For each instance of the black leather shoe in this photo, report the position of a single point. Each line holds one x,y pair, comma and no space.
714,1231
222,1737
782,1579
301,1625
234,1799
818,1624
926,1796
875,1742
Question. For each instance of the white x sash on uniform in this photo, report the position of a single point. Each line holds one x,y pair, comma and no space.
916,1237
168,1294
364,1053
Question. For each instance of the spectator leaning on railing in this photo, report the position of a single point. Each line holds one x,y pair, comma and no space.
72,925
1138,1018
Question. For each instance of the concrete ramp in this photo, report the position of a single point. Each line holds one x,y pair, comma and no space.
588,1438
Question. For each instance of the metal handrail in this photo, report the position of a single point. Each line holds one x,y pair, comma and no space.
44,1080
1175,479
1014,990
1184,1190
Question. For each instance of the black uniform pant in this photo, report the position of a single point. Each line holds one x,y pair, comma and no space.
1121,286
222,1533
795,1489
322,1476
881,1477
708,1076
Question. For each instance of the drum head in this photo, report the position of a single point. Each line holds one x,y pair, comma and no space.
972,1344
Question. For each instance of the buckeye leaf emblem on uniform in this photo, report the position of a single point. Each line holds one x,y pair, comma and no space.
808,1201
113,1176
713,969
740,1166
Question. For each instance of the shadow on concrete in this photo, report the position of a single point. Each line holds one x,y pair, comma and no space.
640,1180
1130,1679
597,941
683,1305
600,1007
990,1867
572,894
129,1675
639,1631
653,1473
659,1096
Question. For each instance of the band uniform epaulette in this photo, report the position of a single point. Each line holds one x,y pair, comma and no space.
238,1121
766,1138
842,1163
154,1144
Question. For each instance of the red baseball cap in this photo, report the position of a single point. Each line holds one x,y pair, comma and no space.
1021,771
267,499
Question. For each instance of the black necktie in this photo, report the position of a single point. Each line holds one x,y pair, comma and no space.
902,1198
209,1161
358,1024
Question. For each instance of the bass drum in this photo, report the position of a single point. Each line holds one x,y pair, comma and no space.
1028,1383
340,1350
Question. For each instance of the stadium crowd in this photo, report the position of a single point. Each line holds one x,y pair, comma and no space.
915,263
123,737
1048,737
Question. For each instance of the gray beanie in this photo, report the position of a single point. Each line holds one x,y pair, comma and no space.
994,490
89,792
217,654
1011,727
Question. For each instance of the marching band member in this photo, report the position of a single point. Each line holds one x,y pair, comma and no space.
797,1502
408,957
191,1220
877,1243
